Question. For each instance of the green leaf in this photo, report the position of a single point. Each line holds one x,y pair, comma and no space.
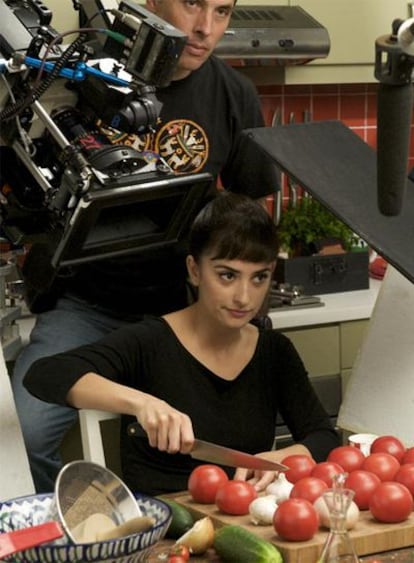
308,222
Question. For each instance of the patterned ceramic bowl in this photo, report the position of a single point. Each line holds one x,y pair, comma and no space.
32,510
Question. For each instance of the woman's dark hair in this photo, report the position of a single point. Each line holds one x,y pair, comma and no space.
234,227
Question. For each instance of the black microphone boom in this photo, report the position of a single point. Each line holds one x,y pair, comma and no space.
393,69
393,140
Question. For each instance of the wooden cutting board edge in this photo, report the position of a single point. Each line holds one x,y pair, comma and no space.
368,536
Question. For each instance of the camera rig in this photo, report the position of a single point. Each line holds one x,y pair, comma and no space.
68,186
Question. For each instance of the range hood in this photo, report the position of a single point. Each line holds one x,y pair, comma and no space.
283,34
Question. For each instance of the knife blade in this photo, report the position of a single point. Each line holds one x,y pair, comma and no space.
213,453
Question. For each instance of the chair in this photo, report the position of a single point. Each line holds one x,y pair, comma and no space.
15,477
91,434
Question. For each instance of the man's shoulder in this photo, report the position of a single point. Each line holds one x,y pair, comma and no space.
232,77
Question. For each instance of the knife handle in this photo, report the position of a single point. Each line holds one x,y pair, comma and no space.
136,430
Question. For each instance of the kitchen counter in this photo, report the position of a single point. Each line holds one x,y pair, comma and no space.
338,307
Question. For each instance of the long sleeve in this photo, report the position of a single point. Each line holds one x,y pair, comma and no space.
116,357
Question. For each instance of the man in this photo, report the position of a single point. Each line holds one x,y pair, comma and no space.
205,108
204,22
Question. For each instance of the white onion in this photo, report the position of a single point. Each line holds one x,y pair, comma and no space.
262,509
321,507
200,537
280,487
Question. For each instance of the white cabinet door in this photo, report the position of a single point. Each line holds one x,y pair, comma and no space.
354,25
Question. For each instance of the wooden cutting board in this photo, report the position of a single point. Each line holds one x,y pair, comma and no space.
368,536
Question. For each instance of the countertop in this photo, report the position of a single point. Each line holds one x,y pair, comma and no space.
338,307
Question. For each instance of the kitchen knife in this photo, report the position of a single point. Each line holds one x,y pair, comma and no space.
213,453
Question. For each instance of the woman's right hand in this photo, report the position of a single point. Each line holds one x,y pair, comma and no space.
167,428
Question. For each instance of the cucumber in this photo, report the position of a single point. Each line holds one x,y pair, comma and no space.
182,520
234,544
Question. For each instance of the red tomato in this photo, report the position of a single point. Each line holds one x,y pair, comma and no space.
177,559
235,496
408,456
390,445
179,552
309,488
296,519
405,476
363,483
326,470
204,482
382,464
391,502
300,465
348,457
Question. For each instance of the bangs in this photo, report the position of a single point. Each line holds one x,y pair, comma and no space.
242,246
234,227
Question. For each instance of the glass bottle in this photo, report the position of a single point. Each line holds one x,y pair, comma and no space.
338,547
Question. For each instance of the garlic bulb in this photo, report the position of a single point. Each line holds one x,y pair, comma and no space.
280,488
262,509
352,515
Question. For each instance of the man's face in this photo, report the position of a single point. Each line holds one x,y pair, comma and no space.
203,21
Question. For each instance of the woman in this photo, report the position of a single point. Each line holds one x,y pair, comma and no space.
204,371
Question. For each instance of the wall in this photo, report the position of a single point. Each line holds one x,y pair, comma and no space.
64,16
353,104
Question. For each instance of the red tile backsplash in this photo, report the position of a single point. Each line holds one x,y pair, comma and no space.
353,104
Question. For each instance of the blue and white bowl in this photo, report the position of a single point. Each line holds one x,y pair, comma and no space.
31,510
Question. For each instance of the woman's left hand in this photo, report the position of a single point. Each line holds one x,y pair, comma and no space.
260,479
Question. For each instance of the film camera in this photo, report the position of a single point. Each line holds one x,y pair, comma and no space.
66,187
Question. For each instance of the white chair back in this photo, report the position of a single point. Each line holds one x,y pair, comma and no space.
15,476
91,434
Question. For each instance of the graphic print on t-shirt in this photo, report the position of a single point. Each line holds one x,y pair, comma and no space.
183,145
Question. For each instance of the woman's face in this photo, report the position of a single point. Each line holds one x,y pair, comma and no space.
203,21
232,291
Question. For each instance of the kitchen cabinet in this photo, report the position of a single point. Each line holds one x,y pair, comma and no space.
331,349
328,353
353,27
328,339
319,348
351,338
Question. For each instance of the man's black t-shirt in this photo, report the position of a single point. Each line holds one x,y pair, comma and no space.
198,131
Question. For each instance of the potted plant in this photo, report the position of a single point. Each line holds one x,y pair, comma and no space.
304,226
318,251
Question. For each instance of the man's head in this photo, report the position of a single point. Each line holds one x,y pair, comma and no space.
203,21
